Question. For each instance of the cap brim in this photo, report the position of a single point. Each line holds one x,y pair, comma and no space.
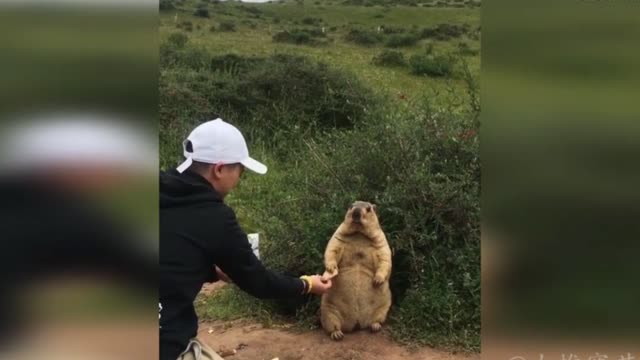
254,166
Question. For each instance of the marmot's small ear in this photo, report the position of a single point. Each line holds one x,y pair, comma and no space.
373,206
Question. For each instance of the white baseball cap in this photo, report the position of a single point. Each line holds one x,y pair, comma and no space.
215,142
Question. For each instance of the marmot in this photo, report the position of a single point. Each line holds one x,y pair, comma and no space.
358,258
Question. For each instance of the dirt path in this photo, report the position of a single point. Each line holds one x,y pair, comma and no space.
253,342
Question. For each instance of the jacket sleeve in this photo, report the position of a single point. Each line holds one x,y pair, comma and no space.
235,257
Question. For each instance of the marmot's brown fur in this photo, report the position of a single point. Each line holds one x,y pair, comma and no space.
358,259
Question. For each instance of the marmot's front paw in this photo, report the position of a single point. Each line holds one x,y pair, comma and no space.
375,327
330,272
337,335
328,276
378,280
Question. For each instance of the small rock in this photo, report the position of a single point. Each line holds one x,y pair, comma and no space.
224,352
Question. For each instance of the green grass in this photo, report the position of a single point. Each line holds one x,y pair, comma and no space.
301,200
341,54
228,304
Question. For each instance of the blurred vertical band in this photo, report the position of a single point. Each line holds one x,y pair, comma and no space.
560,145
78,185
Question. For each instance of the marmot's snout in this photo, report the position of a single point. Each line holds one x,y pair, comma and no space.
356,216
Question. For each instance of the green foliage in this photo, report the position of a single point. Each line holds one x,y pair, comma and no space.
272,96
410,146
402,40
201,12
312,21
432,65
254,11
445,31
385,3
363,37
389,58
165,5
294,37
420,166
227,26
393,30
178,39
466,50
299,36
185,25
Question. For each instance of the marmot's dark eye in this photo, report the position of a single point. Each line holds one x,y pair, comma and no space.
368,208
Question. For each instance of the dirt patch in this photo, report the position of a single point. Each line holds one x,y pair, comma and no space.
254,342
209,288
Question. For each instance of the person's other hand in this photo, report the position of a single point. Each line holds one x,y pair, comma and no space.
222,276
319,285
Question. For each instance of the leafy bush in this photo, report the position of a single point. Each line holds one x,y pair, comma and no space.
272,95
312,21
421,168
445,31
389,58
298,37
178,39
393,30
429,48
402,40
252,10
202,12
185,25
465,49
227,26
363,37
166,5
432,65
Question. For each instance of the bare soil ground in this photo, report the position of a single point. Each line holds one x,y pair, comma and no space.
252,341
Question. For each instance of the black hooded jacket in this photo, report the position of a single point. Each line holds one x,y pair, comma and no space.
197,232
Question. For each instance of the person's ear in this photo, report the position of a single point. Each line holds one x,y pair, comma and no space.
216,170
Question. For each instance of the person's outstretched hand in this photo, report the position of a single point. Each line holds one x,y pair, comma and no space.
319,285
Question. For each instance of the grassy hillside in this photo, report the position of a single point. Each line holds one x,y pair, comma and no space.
343,102
255,25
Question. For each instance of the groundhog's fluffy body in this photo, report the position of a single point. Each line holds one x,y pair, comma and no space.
358,260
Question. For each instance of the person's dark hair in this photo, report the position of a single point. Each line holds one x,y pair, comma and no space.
202,168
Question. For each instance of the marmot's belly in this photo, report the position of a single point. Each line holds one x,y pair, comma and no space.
353,290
